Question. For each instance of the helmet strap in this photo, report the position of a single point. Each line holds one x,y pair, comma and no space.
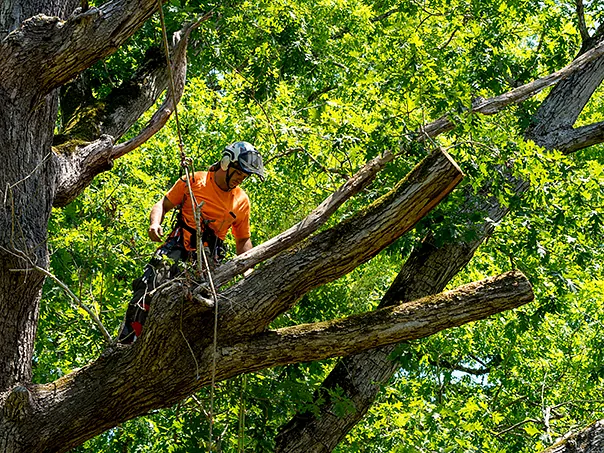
228,177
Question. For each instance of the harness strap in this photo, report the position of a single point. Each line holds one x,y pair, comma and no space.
208,237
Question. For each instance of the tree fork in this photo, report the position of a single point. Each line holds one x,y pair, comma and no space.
159,374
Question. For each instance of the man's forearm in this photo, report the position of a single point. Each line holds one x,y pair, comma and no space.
243,245
156,216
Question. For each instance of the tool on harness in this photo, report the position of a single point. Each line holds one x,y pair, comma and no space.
208,238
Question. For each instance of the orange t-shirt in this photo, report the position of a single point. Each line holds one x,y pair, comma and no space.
223,209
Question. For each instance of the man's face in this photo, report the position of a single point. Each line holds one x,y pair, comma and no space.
237,176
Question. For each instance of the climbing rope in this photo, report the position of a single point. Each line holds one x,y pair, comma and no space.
185,163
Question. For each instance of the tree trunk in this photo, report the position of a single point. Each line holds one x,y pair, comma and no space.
27,188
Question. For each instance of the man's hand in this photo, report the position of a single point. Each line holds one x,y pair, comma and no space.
158,211
155,232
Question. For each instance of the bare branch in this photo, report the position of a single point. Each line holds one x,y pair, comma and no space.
459,367
517,95
413,320
305,227
81,166
64,287
581,21
518,425
385,15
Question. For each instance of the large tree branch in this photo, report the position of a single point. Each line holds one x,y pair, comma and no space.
409,321
557,115
158,374
82,164
337,251
47,51
588,440
156,371
585,63
305,227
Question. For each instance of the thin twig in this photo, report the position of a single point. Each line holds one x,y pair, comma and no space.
518,425
65,288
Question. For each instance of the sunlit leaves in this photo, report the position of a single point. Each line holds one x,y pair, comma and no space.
320,87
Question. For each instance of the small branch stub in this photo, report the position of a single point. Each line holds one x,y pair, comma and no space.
18,404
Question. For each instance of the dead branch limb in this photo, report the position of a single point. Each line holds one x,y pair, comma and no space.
305,227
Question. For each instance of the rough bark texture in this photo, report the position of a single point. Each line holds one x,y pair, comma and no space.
42,47
418,319
74,408
26,195
429,269
588,440
81,161
89,401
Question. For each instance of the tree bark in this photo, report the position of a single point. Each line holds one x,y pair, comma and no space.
49,49
418,319
42,48
27,188
588,440
128,382
45,46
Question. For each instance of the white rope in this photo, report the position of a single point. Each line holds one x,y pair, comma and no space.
197,213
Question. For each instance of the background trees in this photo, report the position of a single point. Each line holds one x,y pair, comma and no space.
321,88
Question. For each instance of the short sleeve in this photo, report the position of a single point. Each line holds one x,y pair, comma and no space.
176,194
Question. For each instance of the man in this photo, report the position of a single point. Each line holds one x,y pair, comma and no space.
225,206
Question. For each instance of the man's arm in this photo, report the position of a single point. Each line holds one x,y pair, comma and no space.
158,212
242,245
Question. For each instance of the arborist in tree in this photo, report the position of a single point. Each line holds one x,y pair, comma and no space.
225,206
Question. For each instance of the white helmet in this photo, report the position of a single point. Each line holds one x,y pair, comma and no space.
243,155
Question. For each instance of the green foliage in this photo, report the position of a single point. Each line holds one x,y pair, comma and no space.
320,88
